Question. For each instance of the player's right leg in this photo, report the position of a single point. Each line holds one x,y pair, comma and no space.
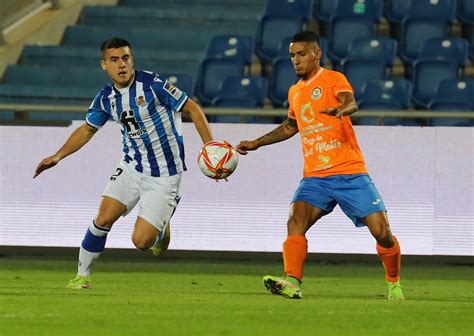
94,240
295,248
119,197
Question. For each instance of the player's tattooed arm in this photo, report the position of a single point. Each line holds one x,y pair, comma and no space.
284,131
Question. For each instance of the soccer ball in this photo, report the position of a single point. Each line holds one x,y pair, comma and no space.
217,159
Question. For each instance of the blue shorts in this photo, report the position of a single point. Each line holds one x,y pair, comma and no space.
356,195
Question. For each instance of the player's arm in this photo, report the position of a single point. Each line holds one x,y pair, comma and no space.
347,107
199,120
78,138
286,130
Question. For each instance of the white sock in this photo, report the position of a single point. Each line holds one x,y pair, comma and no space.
92,246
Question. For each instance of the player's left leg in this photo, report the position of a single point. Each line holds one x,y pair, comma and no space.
388,250
361,202
159,197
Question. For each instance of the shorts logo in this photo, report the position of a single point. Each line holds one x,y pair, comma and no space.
377,201
141,102
317,93
172,90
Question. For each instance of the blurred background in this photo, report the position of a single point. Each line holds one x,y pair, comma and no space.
410,63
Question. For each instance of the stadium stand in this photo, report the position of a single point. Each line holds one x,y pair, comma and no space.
386,94
234,46
426,19
368,58
212,73
160,37
427,75
240,91
282,77
198,44
465,11
271,31
351,19
453,95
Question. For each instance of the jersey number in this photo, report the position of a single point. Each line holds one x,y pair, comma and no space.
128,119
116,174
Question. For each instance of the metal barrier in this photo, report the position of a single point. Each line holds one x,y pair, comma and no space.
22,112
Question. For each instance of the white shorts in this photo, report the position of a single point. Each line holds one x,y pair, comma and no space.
157,197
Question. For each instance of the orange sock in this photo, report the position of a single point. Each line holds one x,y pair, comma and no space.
391,260
295,250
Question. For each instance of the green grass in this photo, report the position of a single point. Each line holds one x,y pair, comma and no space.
209,297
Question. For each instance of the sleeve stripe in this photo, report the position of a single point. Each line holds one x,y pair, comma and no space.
344,90
91,124
182,104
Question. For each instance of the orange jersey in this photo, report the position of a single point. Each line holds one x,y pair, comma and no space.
329,144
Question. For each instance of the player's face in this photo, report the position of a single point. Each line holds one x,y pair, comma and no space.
305,58
118,62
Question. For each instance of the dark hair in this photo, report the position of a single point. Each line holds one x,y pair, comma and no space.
306,36
114,42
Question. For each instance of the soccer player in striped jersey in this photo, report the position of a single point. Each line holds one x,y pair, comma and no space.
320,105
148,109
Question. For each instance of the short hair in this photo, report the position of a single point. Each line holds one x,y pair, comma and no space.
306,36
114,42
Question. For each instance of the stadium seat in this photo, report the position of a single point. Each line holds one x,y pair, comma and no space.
358,71
231,46
426,19
301,9
271,31
414,34
202,19
51,84
160,3
454,49
7,115
453,94
370,9
427,76
211,74
377,48
166,39
351,20
182,81
390,94
56,75
471,51
470,35
323,11
282,77
386,94
396,10
242,91
465,12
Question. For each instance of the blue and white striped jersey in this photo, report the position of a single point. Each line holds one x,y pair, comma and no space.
149,112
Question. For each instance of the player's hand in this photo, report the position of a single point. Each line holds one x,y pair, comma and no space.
46,163
245,146
333,111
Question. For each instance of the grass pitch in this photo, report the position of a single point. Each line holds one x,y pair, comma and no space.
211,297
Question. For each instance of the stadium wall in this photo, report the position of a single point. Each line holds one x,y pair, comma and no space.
425,176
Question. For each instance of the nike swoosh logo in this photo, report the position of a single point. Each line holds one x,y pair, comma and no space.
377,201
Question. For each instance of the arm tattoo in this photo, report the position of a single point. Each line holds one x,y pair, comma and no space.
286,130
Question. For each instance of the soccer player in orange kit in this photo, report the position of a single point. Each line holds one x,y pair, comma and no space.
320,105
